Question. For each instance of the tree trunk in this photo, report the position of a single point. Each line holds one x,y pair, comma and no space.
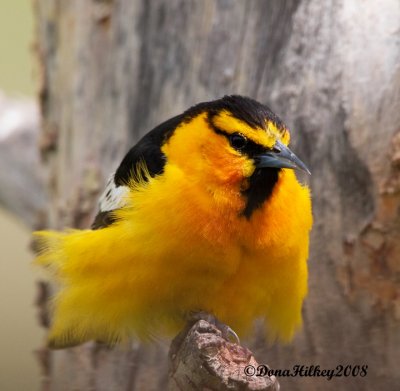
113,69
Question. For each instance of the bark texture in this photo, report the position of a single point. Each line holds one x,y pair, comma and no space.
201,359
113,69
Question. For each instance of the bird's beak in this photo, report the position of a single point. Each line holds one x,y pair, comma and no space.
280,157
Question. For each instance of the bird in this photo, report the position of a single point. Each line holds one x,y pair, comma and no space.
205,214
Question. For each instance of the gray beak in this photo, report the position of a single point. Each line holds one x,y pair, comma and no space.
280,157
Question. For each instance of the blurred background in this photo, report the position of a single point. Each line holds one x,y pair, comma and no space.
20,334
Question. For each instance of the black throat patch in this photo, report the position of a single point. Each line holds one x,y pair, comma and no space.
261,185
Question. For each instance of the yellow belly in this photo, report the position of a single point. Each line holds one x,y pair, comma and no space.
180,250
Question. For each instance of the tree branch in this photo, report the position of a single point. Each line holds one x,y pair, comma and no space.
201,359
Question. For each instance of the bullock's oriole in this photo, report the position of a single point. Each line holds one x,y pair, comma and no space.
203,214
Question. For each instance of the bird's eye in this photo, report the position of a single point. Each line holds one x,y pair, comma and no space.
237,140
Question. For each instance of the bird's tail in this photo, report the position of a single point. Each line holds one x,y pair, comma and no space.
91,302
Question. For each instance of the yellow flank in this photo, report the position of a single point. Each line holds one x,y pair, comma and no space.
181,245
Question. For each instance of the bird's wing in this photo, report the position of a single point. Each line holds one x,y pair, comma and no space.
142,160
113,198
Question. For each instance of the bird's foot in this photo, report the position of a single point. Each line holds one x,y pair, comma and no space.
227,332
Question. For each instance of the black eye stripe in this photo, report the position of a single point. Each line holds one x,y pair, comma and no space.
251,148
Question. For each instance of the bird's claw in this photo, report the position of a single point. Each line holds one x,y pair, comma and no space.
227,332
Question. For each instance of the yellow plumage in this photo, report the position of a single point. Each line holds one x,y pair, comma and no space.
182,244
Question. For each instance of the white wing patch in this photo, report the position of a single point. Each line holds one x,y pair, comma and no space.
113,197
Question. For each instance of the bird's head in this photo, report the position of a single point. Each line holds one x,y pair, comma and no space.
235,144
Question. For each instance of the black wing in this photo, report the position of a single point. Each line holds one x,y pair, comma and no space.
147,151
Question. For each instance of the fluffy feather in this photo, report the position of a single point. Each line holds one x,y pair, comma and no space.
180,243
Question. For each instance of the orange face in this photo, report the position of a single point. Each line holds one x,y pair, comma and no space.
224,152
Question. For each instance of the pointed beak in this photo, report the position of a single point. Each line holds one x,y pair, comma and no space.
280,157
